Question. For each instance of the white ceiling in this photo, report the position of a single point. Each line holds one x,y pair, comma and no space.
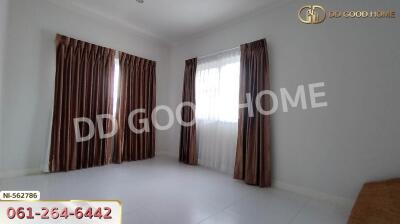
169,20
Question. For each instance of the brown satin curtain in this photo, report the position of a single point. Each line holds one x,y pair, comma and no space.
253,152
137,90
83,88
187,147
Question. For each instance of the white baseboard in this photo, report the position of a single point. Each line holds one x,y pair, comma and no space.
19,173
335,200
167,154
28,172
332,199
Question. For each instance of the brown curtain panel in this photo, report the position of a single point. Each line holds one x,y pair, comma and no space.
253,152
83,88
137,90
187,147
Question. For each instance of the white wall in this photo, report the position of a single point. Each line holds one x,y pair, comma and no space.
28,83
3,36
331,150
3,28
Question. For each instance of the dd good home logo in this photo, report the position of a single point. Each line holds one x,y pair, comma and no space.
312,14
315,14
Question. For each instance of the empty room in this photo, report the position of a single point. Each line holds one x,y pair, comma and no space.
199,112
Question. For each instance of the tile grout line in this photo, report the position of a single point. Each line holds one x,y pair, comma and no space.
305,204
223,209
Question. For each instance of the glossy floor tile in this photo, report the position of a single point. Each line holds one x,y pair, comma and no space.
163,191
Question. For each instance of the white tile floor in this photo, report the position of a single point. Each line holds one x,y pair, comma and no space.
163,191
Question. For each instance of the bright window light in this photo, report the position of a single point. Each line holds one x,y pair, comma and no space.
217,87
116,86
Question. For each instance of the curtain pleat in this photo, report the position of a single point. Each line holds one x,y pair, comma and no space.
253,151
83,88
187,147
137,90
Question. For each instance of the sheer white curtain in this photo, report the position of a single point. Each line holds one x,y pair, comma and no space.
217,109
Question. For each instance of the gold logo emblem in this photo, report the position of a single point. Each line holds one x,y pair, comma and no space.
312,14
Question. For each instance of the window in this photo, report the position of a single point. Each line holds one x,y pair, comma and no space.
116,85
217,109
217,87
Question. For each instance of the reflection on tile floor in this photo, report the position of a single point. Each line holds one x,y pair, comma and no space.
163,191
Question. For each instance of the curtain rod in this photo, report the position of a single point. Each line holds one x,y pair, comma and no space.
222,51
219,52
